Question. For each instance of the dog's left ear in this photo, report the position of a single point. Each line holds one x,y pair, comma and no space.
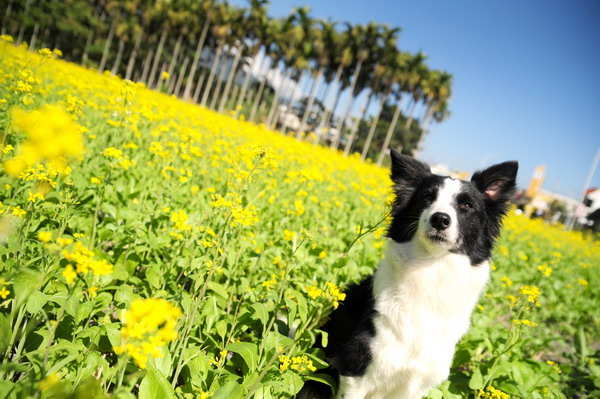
497,183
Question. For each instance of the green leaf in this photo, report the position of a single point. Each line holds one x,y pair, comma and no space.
36,302
5,332
248,351
25,284
113,332
231,390
153,276
155,385
7,390
260,313
476,381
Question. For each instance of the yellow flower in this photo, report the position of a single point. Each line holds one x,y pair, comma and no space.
164,75
288,235
95,180
112,152
583,282
493,393
44,236
148,325
4,292
69,274
531,292
33,197
313,291
63,242
18,212
52,136
51,380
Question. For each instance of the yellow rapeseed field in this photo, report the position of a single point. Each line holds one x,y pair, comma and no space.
153,248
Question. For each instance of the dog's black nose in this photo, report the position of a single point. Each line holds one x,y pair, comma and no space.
440,220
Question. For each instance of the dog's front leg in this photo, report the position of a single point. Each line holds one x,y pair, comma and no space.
352,388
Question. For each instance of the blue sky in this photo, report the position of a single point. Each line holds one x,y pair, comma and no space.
526,78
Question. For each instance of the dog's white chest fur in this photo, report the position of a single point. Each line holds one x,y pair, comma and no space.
423,306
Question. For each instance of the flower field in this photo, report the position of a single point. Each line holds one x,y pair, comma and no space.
152,248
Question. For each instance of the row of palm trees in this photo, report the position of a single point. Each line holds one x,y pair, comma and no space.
239,60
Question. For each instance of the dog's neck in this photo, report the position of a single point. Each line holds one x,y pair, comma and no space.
413,275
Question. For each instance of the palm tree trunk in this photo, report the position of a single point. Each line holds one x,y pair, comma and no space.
111,33
146,67
259,94
181,76
6,17
133,55
357,125
335,142
88,42
424,129
367,144
36,28
172,82
232,72
117,62
411,115
211,75
199,86
290,102
22,28
278,94
157,54
329,114
245,85
174,59
311,101
190,80
388,135
220,78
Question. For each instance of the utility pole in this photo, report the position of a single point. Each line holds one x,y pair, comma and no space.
586,185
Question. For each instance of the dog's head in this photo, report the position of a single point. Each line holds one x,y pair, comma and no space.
443,214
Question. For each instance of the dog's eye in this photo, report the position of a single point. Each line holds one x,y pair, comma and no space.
466,205
428,197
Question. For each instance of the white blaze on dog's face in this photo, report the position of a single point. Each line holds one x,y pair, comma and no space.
442,214
438,224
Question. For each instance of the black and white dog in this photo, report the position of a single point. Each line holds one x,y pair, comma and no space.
395,334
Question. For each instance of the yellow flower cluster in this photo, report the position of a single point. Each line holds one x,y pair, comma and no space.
148,325
84,262
52,136
331,293
525,322
180,218
299,364
493,393
3,291
532,293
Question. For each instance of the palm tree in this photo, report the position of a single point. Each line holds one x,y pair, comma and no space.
256,23
202,13
391,74
321,39
342,57
361,40
417,74
220,33
437,92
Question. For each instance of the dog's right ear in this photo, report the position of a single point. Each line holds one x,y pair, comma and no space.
406,171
